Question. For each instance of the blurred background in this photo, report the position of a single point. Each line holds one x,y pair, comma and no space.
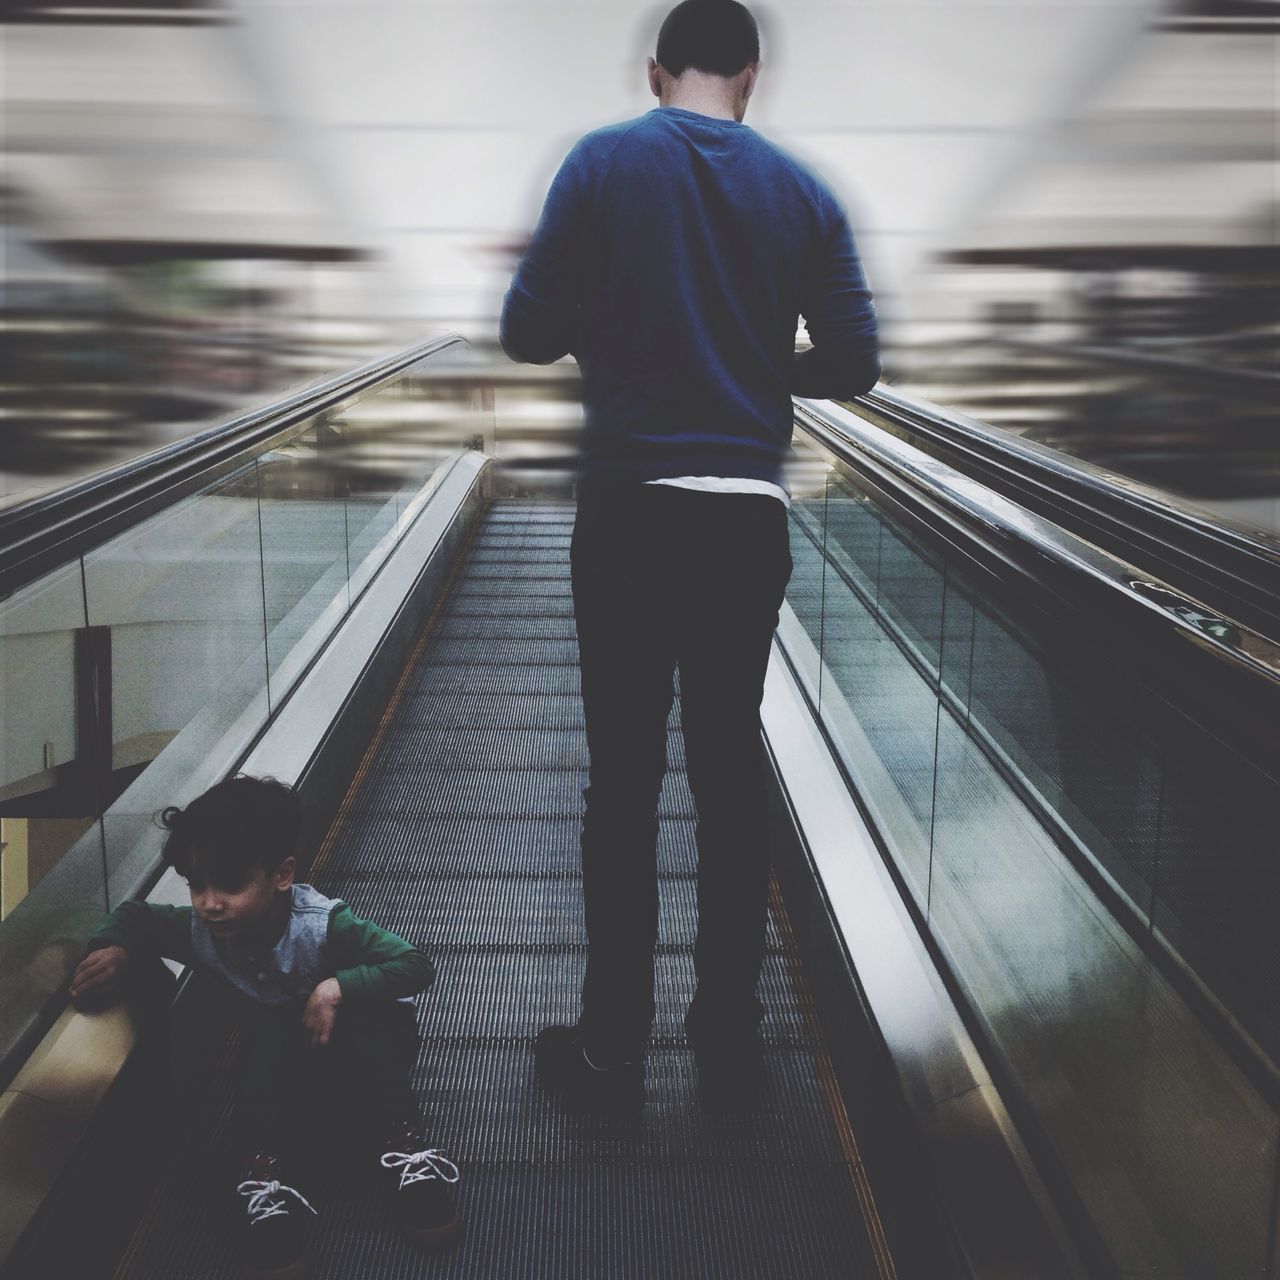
1070,215
1069,211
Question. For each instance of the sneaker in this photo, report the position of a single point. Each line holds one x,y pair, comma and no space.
276,1227
565,1066
419,1181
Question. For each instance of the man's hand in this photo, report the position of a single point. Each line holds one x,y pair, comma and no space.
322,1011
101,968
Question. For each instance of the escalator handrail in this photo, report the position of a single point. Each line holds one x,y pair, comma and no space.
53,529
1242,562
1251,659
1088,477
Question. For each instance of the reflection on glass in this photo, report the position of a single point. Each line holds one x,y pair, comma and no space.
200,621
881,627
38,626
182,595
304,557
986,748
807,483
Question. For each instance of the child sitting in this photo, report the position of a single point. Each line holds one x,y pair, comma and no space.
322,997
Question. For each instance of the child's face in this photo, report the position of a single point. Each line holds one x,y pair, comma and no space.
249,908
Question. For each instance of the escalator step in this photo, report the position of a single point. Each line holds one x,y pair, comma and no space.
490,628
461,837
428,682
486,1098
504,997
501,651
495,792
396,846
514,589
440,748
533,912
499,606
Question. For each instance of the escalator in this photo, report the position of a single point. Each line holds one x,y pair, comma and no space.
460,831
1024,804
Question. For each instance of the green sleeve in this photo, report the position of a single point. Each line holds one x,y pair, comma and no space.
372,964
148,928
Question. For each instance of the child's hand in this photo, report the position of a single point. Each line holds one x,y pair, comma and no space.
101,968
322,1011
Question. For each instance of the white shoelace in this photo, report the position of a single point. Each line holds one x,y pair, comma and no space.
418,1166
266,1199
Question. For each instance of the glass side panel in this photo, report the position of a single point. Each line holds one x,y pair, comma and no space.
1081,757
1217,898
879,697
38,628
179,638
304,558
182,595
1169,1148
808,486
1010,769
43,933
382,450
52,892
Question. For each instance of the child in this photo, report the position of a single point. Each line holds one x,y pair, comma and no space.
326,1025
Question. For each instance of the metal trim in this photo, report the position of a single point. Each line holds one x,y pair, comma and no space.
40,535
73,1066
963,1123
1240,563
858,443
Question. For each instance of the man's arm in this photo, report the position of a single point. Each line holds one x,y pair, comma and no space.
540,314
836,304
370,962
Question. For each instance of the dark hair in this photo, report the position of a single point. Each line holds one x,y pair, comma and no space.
235,826
718,36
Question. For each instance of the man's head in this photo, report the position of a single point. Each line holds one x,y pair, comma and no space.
234,846
707,49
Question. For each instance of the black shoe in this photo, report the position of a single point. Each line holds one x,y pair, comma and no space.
565,1066
419,1183
731,1075
276,1225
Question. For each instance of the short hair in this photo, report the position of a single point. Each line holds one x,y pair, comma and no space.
717,36
235,826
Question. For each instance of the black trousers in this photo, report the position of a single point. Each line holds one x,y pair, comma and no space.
668,579
288,1097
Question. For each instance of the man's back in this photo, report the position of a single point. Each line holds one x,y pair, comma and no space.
674,256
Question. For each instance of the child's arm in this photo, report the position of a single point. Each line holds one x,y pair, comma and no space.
133,929
371,963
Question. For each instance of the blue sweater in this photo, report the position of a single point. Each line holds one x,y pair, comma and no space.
673,257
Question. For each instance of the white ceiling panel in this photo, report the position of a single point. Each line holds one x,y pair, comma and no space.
102,66
528,68
431,129
424,180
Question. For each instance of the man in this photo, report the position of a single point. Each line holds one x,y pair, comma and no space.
673,257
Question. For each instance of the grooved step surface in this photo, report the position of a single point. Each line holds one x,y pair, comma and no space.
393,846
463,835
490,588
496,792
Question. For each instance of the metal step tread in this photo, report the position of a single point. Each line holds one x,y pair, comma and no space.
463,838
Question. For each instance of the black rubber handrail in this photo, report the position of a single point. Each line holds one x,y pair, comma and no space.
1234,568
1227,670
38,536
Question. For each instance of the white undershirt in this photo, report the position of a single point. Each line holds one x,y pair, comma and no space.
722,484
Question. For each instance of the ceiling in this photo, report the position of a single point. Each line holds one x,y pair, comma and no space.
425,133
